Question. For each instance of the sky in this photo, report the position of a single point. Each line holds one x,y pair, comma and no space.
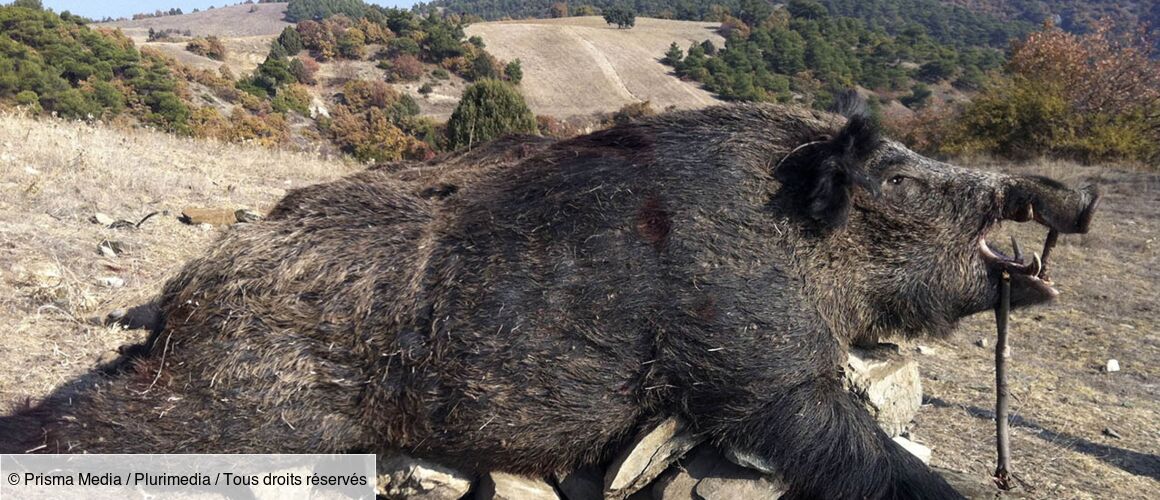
98,9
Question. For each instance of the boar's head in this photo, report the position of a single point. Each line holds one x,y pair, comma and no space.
906,236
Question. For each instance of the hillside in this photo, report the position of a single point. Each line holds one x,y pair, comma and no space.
246,35
226,22
572,66
581,65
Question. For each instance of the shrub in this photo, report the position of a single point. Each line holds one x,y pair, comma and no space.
514,72
304,70
351,43
370,135
211,47
633,111
290,40
488,109
1090,97
484,66
30,100
404,68
294,97
364,94
426,88
267,130
440,74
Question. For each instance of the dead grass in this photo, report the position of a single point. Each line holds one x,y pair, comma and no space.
54,175
231,21
581,65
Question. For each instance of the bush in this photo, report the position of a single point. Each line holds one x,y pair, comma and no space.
426,89
404,68
488,109
30,100
304,70
440,74
622,17
514,72
633,111
290,41
370,135
351,44
211,47
294,97
1091,97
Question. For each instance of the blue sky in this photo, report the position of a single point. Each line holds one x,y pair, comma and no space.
125,8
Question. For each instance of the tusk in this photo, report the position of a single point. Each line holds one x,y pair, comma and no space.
1037,262
1018,250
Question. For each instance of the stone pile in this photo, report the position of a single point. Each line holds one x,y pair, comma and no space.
669,462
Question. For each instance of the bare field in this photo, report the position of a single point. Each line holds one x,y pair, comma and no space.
225,22
1062,399
581,65
55,175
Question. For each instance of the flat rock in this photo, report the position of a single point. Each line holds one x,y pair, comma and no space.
213,216
504,486
887,382
647,457
102,219
111,282
38,274
918,450
401,476
586,483
707,475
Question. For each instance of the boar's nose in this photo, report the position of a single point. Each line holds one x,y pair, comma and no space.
1050,203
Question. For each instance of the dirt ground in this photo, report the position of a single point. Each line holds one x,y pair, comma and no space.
581,65
1062,399
54,176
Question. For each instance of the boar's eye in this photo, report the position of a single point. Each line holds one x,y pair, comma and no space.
898,179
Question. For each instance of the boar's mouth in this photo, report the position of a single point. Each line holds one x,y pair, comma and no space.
1031,283
1025,273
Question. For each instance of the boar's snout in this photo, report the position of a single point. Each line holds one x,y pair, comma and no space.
1050,203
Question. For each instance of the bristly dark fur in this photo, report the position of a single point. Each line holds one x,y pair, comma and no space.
823,173
850,103
563,297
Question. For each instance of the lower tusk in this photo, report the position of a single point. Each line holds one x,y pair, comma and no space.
1037,263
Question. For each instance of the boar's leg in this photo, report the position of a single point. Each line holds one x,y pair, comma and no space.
828,446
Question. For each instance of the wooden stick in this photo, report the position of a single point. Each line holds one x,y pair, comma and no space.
1002,433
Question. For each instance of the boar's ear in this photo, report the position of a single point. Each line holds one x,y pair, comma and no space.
819,176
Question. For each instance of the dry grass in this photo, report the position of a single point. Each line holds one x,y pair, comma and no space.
581,65
226,22
246,35
1061,399
54,176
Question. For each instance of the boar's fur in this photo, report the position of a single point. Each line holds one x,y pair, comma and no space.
709,264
